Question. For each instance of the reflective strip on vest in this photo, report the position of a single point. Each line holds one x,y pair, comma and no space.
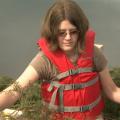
61,87
73,72
83,108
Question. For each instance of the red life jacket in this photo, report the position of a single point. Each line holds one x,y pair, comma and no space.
76,91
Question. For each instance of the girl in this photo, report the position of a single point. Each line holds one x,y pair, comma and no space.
72,70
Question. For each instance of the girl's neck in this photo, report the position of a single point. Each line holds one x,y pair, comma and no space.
73,56
71,53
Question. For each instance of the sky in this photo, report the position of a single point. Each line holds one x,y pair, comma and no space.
20,23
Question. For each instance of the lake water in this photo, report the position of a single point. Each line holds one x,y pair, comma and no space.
20,25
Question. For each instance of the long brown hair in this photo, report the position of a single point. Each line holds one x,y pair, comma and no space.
59,11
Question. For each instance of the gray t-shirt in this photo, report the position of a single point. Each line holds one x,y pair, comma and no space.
47,70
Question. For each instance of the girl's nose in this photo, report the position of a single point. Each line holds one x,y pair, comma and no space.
68,36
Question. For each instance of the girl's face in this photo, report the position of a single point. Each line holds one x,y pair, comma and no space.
67,36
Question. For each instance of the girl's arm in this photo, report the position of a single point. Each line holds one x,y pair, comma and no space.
108,85
12,93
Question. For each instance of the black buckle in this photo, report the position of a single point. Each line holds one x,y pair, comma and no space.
73,86
73,72
84,108
70,72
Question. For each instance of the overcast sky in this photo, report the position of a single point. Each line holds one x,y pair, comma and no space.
20,22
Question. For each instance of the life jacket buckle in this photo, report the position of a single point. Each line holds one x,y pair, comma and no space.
84,108
73,72
73,86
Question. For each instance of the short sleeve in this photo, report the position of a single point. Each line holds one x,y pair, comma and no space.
43,66
100,60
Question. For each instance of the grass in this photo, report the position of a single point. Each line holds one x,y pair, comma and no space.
33,109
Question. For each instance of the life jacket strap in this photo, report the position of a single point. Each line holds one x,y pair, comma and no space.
83,108
72,86
73,72
61,87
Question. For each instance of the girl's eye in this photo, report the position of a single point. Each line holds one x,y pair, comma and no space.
74,32
62,33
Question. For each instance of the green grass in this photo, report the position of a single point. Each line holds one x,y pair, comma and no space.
33,109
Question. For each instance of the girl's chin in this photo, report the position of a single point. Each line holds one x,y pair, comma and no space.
67,49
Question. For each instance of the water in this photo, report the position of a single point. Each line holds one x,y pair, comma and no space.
20,22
